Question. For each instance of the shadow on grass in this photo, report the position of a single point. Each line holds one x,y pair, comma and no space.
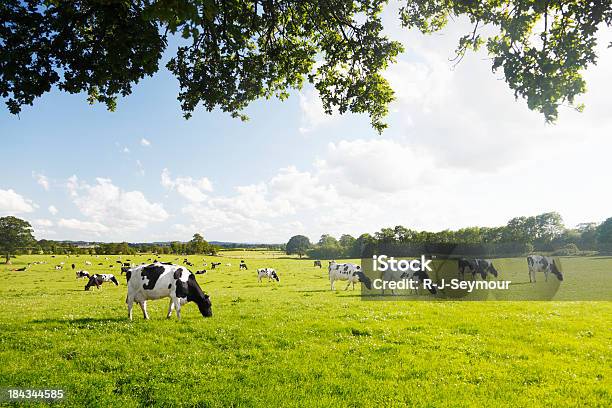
313,291
82,320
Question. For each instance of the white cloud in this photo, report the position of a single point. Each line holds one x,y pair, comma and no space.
194,190
125,150
53,210
141,170
14,203
42,222
85,226
144,142
42,180
313,114
361,167
108,205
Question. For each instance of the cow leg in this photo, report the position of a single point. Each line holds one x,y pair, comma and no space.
143,306
177,307
545,275
170,308
130,305
347,285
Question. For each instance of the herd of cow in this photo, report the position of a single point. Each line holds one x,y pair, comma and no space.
156,280
476,267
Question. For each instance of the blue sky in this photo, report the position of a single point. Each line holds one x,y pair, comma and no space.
459,151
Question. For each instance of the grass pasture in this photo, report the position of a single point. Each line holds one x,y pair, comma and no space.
297,343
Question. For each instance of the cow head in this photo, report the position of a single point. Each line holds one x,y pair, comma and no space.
492,270
555,270
275,276
196,295
363,278
93,281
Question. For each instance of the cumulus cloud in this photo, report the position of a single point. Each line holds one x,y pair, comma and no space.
84,226
42,180
313,114
361,167
42,222
14,203
144,142
53,210
194,190
108,205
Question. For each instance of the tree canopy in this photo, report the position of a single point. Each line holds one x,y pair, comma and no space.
297,245
237,51
15,234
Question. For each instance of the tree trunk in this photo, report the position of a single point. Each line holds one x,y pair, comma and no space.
8,259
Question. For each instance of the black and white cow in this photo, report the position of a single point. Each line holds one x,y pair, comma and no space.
98,279
215,264
269,272
546,264
243,265
58,267
420,276
347,272
82,274
317,263
482,267
156,281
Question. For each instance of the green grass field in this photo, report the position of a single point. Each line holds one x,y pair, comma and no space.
297,343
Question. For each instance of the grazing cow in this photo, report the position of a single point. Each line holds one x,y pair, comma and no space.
73,266
202,272
482,267
58,267
546,264
215,264
82,274
269,272
485,268
100,263
156,281
87,263
98,279
318,263
347,272
243,265
419,276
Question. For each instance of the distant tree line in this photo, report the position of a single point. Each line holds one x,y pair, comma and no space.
17,238
521,235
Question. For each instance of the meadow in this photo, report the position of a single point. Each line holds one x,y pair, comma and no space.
297,343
